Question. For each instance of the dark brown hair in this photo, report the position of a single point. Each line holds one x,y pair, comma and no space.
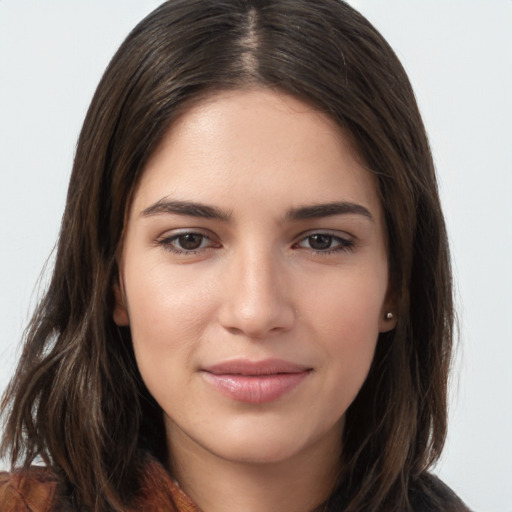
77,399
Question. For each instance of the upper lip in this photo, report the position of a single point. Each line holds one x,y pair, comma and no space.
248,367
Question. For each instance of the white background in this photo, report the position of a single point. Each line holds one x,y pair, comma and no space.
458,54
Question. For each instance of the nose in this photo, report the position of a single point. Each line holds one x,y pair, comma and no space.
257,301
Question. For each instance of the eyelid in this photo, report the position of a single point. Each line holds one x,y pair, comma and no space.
335,233
169,233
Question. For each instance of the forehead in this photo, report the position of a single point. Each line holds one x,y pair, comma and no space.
237,147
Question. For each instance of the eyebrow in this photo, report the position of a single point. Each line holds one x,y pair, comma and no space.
317,211
314,211
187,208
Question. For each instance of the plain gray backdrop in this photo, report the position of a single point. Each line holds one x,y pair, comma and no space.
458,54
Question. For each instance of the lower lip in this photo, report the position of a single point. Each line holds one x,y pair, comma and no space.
257,389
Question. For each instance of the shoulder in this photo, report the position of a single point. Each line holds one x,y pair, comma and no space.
31,491
160,493
430,494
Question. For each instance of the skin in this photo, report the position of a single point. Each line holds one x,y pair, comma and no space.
257,284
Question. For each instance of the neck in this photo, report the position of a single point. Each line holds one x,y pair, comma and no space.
298,484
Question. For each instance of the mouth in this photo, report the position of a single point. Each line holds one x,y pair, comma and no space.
255,382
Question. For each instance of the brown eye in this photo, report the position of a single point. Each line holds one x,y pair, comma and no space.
320,242
189,241
325,243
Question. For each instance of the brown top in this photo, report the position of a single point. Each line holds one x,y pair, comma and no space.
36,491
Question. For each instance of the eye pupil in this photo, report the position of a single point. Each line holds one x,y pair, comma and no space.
190,241
319,242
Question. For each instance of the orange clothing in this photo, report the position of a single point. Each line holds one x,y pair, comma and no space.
37,492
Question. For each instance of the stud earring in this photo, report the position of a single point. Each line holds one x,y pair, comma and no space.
389,315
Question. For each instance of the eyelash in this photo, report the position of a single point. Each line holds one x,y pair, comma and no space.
344,244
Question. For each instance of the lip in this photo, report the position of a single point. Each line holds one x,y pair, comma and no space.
255,382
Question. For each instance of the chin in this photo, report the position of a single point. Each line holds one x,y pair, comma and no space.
265,443
272,451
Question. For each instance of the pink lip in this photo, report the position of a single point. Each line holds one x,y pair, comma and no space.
255,382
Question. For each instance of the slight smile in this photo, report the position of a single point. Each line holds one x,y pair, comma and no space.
255,382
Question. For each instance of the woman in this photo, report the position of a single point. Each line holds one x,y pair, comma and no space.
251,303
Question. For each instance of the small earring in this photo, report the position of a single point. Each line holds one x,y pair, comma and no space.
389,315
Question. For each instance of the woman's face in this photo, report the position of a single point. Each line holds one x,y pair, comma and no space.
254,278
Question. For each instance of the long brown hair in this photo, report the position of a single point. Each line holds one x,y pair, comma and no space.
77,399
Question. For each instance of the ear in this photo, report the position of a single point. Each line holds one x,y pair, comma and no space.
388,321
120,313
388,314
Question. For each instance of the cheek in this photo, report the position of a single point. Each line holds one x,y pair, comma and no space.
349,303
168,312
346,318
